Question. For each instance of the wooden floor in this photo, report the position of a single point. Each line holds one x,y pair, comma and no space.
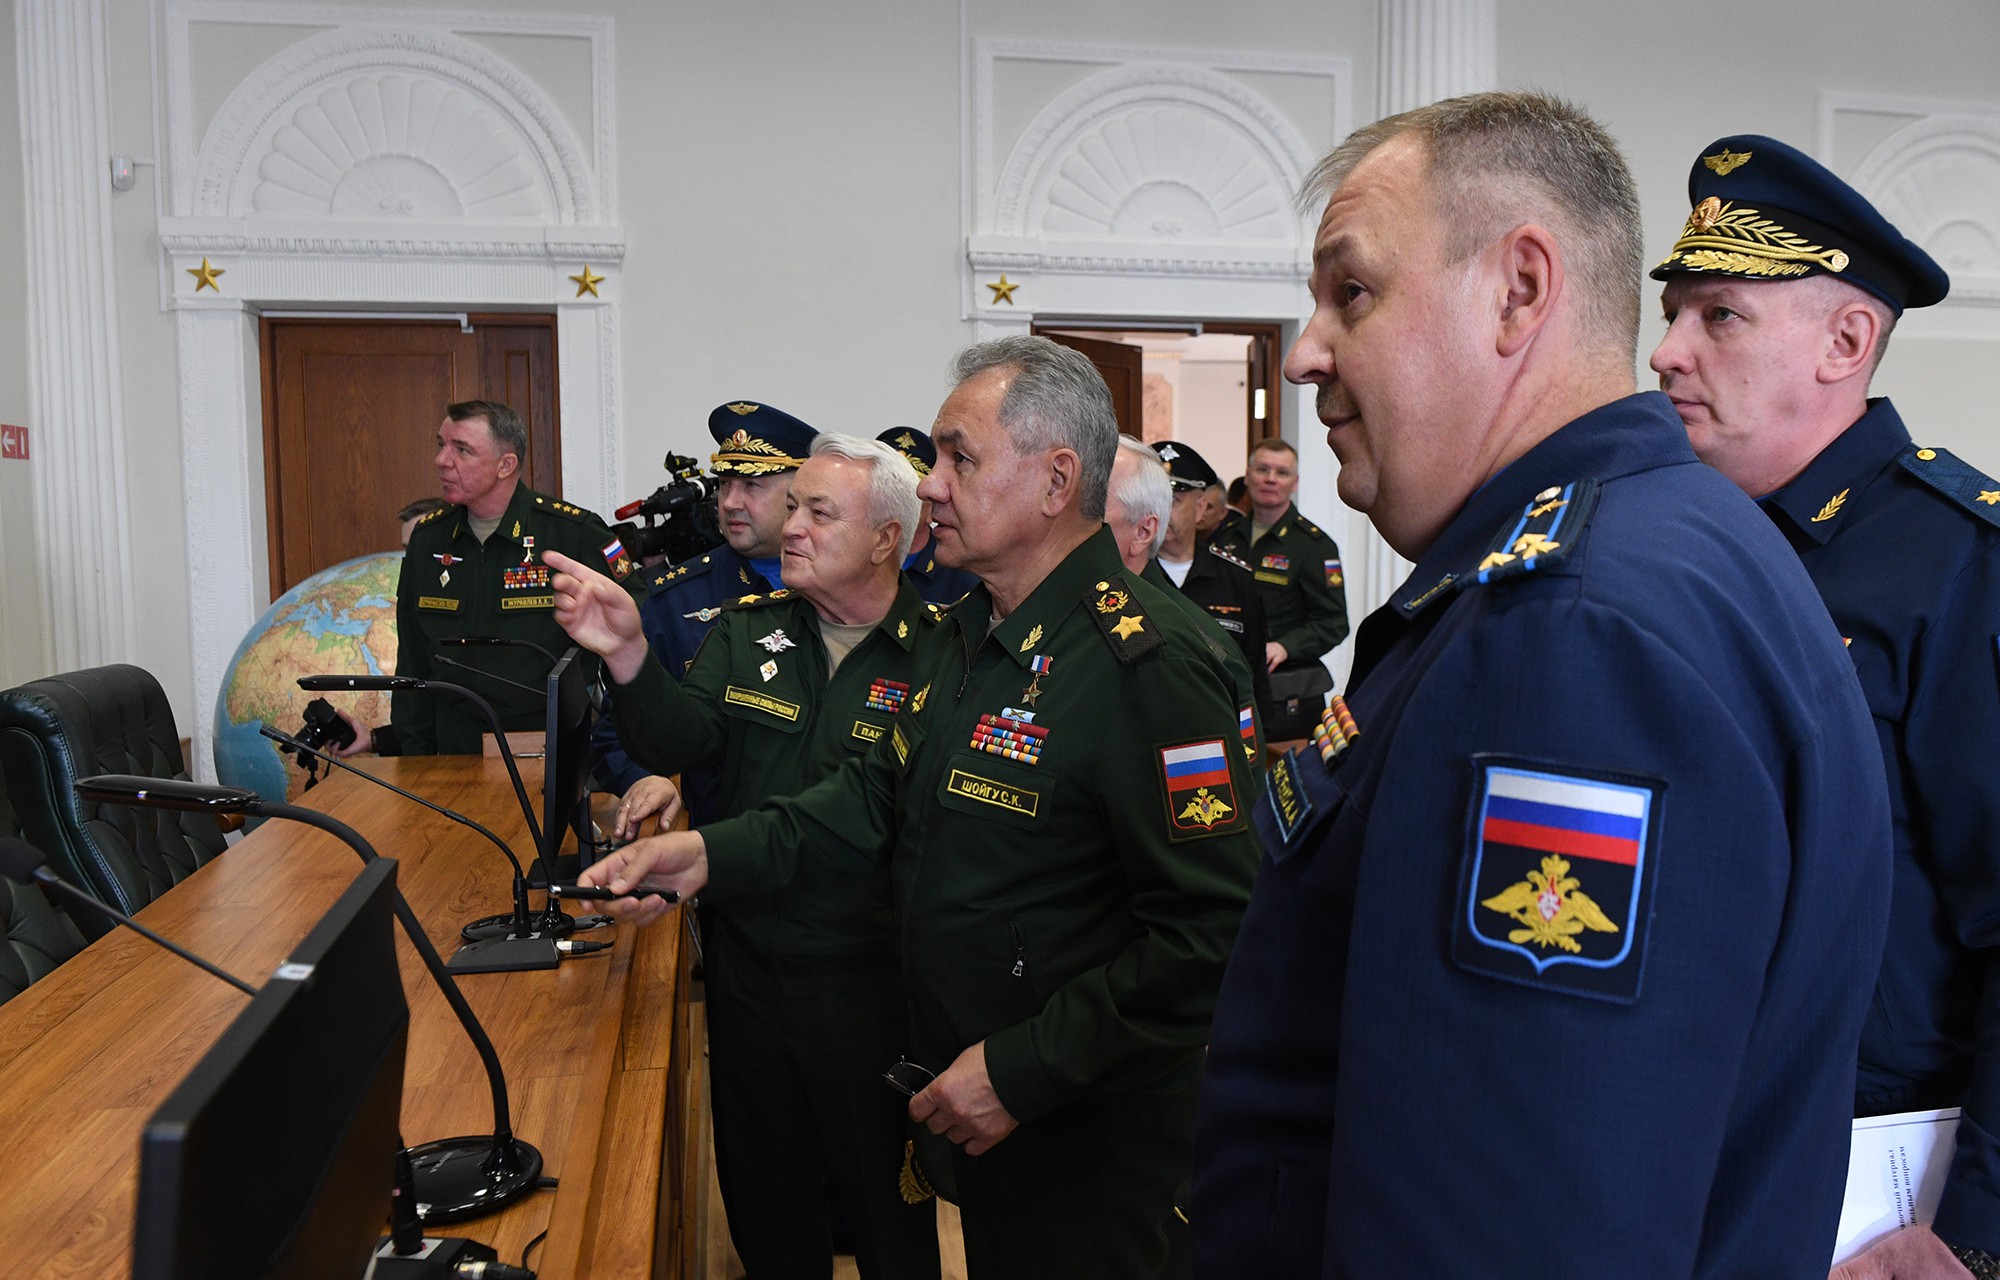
716,1258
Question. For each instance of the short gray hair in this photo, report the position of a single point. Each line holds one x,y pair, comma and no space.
1501,160
1057,398
1143,491
892,483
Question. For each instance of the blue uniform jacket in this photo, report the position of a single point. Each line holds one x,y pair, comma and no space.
1904,546
682,602
937,583
1555,971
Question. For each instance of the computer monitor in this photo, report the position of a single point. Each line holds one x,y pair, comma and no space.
276,1154
566,760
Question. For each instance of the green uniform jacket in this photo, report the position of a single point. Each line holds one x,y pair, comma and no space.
1067,886
452,585
1298,569
1223,646
757,701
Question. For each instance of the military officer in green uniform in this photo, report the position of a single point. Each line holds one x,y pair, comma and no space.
474,569
1139,508
1063,813
1298,569
805,1000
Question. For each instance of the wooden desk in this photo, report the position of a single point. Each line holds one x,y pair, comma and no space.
596,1051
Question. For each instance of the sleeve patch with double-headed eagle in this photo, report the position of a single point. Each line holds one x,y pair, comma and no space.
1131,634
1556,889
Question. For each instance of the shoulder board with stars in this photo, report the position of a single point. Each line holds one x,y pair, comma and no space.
1540,537
1963,483
757,601
561,508
429,516
1223,553
1308,527
1130,633
681,572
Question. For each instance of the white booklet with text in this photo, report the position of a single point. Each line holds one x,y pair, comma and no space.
1896,1167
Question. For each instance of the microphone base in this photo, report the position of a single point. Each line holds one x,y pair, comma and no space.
487,927
438,1258
506,955
456,1178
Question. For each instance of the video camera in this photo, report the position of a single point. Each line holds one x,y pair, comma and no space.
678,518
323,725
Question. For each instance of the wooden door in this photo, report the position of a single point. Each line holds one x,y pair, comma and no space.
351,415
1124,370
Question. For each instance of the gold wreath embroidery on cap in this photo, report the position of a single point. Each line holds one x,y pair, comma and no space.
1726,162
1724,237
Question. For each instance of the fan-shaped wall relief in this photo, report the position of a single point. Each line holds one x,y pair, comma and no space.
1940,182
397,146
1164,173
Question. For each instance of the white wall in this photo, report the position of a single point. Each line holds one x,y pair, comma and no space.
791,199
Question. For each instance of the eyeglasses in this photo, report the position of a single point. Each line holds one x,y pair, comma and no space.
908,1078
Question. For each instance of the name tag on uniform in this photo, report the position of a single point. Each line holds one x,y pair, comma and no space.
443,603
867,732
761,702
529,602
1290,805
900,743
998,794
1275,579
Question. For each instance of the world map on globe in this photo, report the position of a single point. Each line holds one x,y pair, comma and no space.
340,621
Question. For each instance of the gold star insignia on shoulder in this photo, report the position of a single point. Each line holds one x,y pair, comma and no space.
1003,291
1989,496
1032,639
749,599
1495,560
1534,544
1726,162
204,276
1128,626
1832,507
587,281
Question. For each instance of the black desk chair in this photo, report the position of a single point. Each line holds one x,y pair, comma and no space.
104,720
37,936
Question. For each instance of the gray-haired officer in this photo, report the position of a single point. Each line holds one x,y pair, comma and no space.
1780,296
936,582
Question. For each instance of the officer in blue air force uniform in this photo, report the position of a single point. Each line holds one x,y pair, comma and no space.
1780,294
1566,923
757,449
936,583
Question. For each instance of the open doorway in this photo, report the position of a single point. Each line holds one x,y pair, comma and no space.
1211,384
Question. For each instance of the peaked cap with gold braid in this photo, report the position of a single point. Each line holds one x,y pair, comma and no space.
1767,211
914,445
756,440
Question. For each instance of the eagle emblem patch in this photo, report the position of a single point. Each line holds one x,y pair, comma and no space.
1558,877
1201,798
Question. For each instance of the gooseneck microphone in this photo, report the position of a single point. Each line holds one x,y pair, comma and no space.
23,863
457,1178
520,925
489,642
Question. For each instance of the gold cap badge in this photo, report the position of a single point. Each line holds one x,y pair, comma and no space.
1726,162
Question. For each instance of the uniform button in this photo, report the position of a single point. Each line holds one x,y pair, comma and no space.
1103,586
1925,455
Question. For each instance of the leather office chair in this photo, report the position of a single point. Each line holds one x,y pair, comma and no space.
104,720
37,937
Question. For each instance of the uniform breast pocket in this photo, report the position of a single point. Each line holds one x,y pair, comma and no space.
770,710
864,732
995,789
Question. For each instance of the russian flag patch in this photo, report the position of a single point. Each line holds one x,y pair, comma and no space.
1558,877
1201,797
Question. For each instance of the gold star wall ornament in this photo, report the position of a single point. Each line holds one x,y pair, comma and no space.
587,282
1003,291
204,276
